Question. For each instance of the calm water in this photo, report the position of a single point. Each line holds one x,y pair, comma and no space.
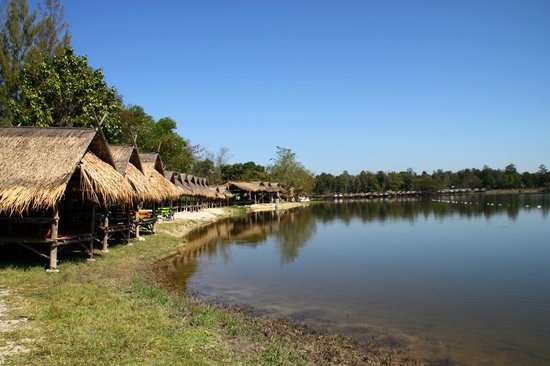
460,277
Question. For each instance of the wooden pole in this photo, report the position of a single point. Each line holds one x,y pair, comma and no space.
105,225
92,232
137,221
54,235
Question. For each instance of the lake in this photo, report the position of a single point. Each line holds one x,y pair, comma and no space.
464,277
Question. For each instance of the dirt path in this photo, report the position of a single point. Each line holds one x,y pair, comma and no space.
8,324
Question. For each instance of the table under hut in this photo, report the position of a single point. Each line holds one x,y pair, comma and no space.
52,183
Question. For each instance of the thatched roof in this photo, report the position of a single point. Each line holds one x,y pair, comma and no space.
221,191
179,181
152,168
174,178
36,164
243,186
124,154
101,180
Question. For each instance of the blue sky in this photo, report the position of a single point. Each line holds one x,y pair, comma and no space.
346,85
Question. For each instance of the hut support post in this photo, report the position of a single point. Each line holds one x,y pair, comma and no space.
53,245
92,231
105,239
129,232
136,220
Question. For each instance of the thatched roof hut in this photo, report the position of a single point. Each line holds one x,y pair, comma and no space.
243,186
202,183
37,163
175,178
222,192
128,164
152,168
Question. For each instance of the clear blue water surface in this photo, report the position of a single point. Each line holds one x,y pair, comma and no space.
466,278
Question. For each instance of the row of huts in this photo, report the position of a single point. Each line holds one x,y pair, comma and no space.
64,186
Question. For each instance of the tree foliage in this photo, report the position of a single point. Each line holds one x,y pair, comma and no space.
160,136
66,91
249,172
25,40
290,172
408,180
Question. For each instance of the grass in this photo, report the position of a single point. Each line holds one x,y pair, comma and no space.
107,312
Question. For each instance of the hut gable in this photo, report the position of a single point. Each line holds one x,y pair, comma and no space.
124,154
36,164
152,168
150,162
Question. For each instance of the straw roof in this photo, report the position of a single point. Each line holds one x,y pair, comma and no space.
128,164
124,154
221,191
244,186
36,164
152,168
176,180
100,180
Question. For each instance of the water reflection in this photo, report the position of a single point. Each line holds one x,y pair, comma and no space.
412,209
291,229
469,272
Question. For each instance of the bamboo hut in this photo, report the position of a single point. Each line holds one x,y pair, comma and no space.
243,192
52,180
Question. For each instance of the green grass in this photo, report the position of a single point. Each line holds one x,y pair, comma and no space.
107,312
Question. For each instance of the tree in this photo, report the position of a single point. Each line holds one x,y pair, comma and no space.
66,91
324,184
136,126
174,150
16,39
25,40
290,172
53,32
249,171
511,177
206,169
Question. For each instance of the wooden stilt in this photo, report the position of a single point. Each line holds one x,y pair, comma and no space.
105,244
54,235
137,222
92,231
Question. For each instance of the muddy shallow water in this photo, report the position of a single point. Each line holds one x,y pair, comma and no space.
459,277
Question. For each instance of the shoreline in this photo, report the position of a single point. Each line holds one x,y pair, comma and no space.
387,349
114,311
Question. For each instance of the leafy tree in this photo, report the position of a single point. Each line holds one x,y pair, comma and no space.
206,168
325,184
249,171
343,183
408,178
66,91
511,177
174,150
25,40
53,31
136,126
17,38
395,181
290,172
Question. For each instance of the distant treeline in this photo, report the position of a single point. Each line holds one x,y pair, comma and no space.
487,178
